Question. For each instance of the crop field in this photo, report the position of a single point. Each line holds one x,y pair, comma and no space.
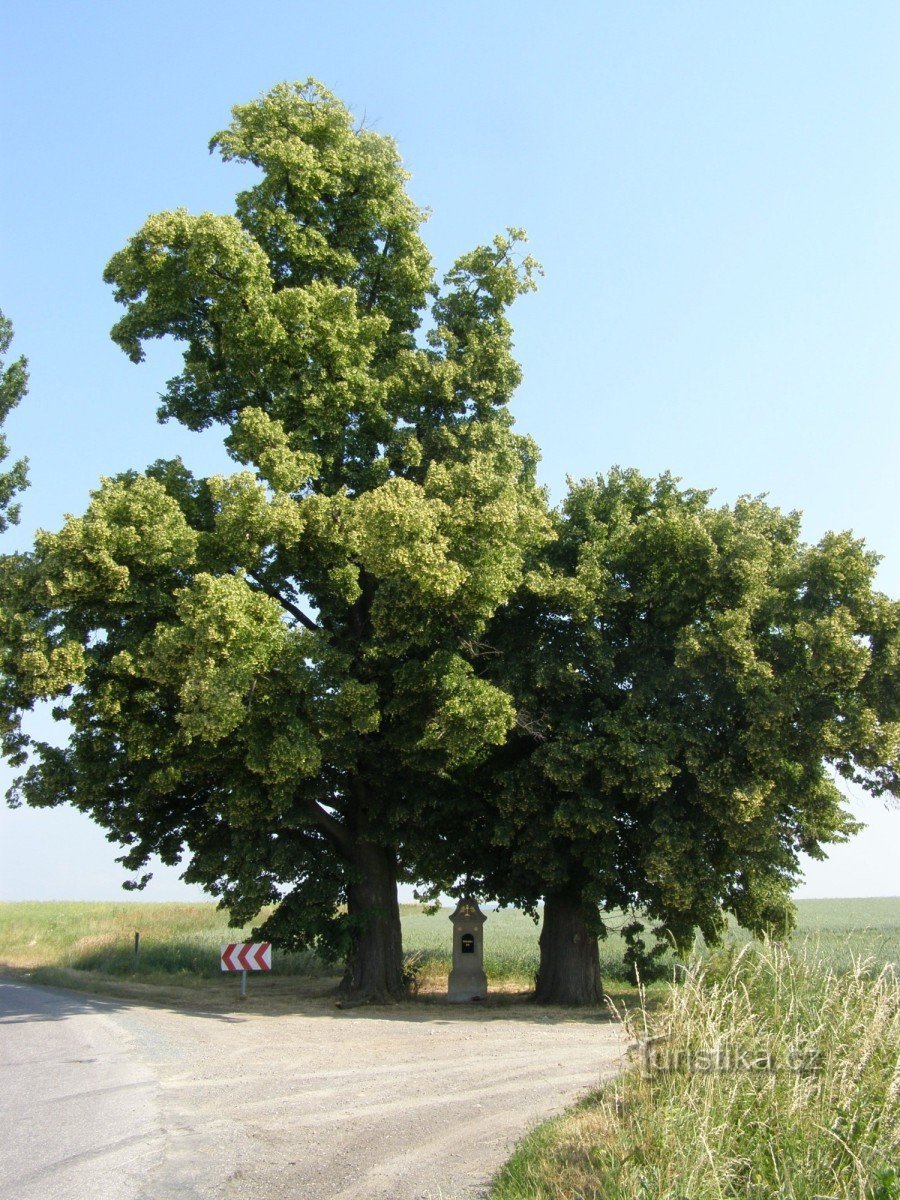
180,942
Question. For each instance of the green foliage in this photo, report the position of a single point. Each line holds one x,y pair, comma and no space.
374,635
886,1185
645,962
13,386
263,671
689,682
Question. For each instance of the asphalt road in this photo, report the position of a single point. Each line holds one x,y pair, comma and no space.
79,1109
121,1100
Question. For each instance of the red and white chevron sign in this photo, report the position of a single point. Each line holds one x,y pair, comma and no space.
247,956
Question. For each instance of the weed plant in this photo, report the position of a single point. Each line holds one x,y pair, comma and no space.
767,1073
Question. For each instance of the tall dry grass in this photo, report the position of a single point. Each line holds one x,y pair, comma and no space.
767,1073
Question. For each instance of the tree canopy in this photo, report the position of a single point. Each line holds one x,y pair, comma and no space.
693,681
371,652
263,670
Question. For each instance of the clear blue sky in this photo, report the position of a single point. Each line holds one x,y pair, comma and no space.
714,192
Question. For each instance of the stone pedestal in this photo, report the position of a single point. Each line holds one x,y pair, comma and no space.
467,978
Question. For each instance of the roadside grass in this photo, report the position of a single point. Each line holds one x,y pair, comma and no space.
767,1072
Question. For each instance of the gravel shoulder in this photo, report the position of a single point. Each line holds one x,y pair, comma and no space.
300,1099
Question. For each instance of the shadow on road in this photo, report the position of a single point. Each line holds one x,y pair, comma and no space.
22,1000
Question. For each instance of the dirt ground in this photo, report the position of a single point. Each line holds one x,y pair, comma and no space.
293,1097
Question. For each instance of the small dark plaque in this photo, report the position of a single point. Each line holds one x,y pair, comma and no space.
468,944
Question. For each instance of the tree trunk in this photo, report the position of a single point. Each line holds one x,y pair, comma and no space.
374,971
569,970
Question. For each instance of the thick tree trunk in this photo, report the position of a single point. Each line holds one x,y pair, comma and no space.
569,971
374,971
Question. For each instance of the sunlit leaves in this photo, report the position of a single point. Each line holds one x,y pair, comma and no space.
264,667
226,637
691,673
132,532
13,386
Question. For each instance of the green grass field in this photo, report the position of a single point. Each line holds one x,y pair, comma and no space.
180,942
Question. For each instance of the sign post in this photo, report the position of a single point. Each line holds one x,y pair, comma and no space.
244,957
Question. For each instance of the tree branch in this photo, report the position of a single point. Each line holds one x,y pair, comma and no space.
376,282
331,827
286,604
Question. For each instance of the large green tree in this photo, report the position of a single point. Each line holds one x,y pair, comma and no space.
263,671
13,386
693,683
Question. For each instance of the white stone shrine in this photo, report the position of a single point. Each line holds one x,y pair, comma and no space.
467,978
